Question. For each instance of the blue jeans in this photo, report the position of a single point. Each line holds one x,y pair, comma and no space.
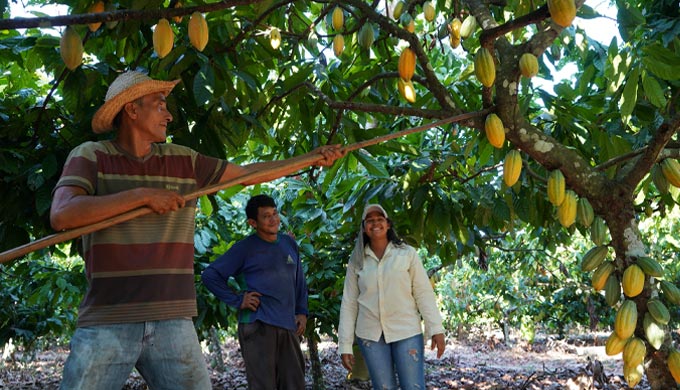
405,356
166,353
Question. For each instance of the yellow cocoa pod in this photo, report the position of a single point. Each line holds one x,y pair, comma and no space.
601,275
428,11
633,374
674,364
338,18
198,31
454,27
495,132
566,212
528,65
614,345
512,167
671,171
407,64
562,12
468,27
556,187
485,69
634,351
633,281
71,48
398,9
594,257
584,212
406,90
163,38
454,41
275,38
95,8
338,45
626,319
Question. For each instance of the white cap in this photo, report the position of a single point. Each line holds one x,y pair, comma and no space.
373,207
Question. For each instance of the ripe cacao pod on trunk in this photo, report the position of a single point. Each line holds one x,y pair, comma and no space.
566,212
198,31
674,364
601,275
633,374
633,280
338,18
485,69
495,131
407,64
626,319
407,90
528,65
614,345
562,12
634,352
338,45
512,167
163,38
71,48
428,11
556,187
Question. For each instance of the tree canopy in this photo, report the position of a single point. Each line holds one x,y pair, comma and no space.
273,81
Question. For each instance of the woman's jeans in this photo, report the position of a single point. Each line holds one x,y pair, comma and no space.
406,357
166,353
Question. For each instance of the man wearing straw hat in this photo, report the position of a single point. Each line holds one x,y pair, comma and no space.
137,310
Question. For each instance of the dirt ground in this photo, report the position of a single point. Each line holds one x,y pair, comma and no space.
483,363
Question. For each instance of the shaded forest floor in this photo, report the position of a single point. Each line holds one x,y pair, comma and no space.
483,363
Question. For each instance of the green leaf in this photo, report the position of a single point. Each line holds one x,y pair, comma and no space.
629,97
373,166
653,90
206,206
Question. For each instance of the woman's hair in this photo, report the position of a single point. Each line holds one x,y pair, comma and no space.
391,235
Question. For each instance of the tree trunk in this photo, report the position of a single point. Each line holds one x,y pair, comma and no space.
658,375
217,361
315,362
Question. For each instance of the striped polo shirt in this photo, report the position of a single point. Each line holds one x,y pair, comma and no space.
142,269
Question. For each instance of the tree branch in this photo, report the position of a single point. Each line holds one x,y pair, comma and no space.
126,14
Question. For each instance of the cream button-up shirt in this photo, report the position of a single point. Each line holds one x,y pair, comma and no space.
388,296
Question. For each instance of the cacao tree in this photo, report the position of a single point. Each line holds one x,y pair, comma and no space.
277,78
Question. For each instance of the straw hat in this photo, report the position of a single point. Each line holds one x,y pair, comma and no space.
127,87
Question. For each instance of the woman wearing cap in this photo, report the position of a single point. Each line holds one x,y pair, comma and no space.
141,296
386,294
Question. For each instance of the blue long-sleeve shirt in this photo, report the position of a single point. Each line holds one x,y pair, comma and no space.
271,268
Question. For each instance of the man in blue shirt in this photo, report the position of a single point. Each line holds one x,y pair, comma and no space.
273,299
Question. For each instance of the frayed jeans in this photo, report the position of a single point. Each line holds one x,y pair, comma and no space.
406,357
166,353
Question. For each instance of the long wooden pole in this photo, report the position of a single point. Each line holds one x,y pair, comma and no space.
252,176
